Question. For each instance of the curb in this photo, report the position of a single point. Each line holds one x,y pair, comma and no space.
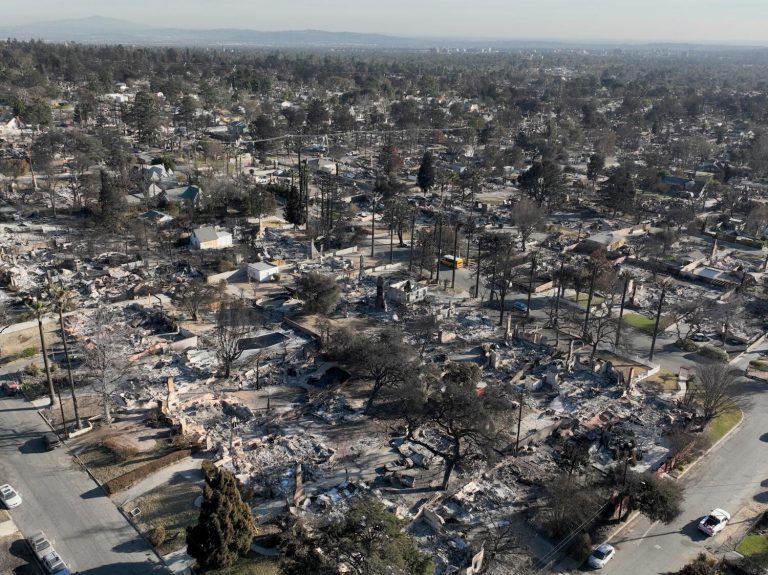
632,516
695,462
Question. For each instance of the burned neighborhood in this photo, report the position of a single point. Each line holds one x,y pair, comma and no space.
410,310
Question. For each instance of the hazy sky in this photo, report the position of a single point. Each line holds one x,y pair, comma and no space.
703,21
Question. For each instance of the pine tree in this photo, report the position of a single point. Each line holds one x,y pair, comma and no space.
426,175
294,208
110,199
225,528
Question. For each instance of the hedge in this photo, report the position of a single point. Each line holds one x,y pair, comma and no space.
715,353
134,476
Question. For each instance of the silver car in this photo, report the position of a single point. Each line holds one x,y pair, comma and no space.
9,496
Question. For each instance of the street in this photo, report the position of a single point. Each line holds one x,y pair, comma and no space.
60,499
735,474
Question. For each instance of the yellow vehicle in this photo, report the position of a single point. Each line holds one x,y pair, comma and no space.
451,262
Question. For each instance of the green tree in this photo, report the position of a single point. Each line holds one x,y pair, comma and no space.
294,212
320,293
595,167
225,527
658,498
459,421
543,182
111,200
368,540
144,117
618,192
426,175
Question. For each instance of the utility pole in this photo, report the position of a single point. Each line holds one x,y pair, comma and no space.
455,253
479,261
589,299
519,421
413,233
627,277
658,318
530,285
556,321
439,246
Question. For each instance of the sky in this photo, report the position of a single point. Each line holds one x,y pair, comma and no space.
696,21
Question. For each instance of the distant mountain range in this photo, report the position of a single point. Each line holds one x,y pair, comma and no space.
98,29
101,30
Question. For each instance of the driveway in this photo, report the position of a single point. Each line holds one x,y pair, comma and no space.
60,499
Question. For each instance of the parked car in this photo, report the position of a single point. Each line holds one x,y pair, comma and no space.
11,387
40,545
520,306
51,441
9,496
715,522
699,337
601,556
55,565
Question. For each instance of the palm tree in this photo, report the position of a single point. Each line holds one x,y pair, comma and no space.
62,301
40,307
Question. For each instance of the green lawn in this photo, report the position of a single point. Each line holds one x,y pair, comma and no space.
753,545
723,423
638,321
584,298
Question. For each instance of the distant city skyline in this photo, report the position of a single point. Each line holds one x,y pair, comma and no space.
684,21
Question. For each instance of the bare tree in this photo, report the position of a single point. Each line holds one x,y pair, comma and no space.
714,389
528,217
193,296
232,325
106,356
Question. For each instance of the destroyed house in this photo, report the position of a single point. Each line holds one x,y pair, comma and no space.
406,292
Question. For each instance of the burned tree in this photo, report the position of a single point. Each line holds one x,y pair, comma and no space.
193,296
232,325
106,356
454,420
714,389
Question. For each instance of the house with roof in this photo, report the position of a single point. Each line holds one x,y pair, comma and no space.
158,173
190,195
210,238
156,218
13,127
262,271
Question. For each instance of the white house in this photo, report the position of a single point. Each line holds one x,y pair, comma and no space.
14,127
406,292
262,271
158,172
209,238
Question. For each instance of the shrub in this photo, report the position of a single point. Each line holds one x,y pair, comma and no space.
127,479
686,345
121,450
33,370
714,353
157,536
27,353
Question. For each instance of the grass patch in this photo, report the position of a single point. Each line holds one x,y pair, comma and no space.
753,545
662,382
105,465
584,298
172,507
723,423
759,364
644,323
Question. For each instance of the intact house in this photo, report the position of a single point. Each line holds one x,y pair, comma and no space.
156,218
209,238
262,271
190,195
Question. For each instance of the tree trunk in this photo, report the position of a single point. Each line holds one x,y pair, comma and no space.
449,466
51,391
78,422
105,398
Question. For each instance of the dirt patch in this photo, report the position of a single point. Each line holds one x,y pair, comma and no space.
105,464
15,556
172,507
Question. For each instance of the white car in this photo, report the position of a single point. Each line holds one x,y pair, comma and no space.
601,556
715,522
9,496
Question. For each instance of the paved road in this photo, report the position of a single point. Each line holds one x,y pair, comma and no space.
732,476
88,531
